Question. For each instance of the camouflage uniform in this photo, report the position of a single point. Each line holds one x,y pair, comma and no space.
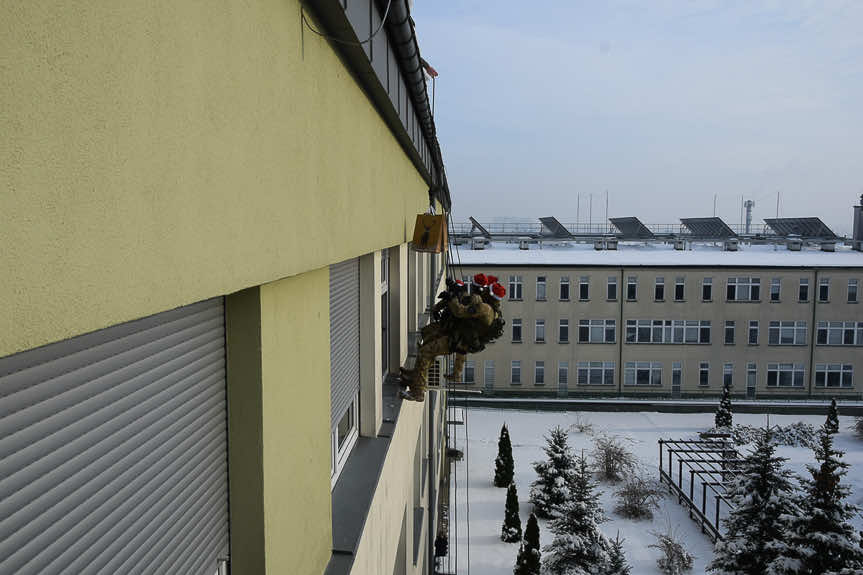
461,326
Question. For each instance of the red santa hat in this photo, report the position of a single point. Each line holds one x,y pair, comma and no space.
480,280
498,291
459,283
491,279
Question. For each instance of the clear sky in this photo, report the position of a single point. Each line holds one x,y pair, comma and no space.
662,103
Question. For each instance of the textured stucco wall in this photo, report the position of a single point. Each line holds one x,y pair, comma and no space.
295,367
156,154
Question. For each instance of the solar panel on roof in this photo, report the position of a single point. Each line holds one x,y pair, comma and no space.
708,228
803,227
550,226
631,228
475,225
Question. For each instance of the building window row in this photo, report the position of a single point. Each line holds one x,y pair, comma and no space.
667,331
840,333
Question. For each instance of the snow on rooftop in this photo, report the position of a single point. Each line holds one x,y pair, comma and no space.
634,254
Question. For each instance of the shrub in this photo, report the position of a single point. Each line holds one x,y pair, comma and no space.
674,558
638,497
611,458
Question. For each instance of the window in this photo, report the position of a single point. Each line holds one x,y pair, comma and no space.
515,369
753,332
852,291
563,331
703,374
597,330
539,373
775,289
728,375
515,287
751,379
834,375
707,289
729,333
667,331
516,330
840,333
488,372
584,288
659,289
676,376
643,373
595,373
564,288
342,440
540,288
679,289
785,375
743,289
540,331
563,373
611,290
824,290
469,374
631,288
803,294
786,333
466,280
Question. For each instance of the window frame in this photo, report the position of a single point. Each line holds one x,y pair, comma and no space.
778,328
659,288
704,374
515,372
563,323
707,284
541,283
668,332
797,373
803,290
339,454
516,288
634,370
539,372
588,372
632,288
775,290
564,282
563,373
584,288
611,288
754,327
824,290
732,325
517,323
680,289
539,323
740,285
842,371
853,283
594,327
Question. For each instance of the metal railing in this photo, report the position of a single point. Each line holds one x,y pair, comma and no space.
704,468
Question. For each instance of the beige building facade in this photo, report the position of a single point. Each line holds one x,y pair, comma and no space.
672,330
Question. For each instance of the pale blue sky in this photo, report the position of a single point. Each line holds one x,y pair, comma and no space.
662,103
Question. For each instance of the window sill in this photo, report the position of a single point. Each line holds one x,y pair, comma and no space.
680,301
787,344
566,300
515,299
611,300
538,341
518,383
743,301
517,341
539,385
659,301
775,301
563,342
852,302
631,300
707,301
583,300
537,299
596,342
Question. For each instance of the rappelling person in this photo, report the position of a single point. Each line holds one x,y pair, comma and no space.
462,322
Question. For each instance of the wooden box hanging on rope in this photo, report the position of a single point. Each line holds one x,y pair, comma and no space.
430,234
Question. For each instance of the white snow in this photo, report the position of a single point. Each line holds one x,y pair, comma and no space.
657,255
489,555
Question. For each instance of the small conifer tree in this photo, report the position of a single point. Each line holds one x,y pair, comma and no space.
832,423
579,547
551,488
504,467
511,530
528,560
723,416
762,505
617,564
824,540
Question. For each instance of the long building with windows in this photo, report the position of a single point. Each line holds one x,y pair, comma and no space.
672,319
206,276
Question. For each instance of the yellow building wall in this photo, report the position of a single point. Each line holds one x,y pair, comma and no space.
295,373
155,154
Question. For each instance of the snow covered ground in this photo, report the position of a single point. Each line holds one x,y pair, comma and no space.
489,555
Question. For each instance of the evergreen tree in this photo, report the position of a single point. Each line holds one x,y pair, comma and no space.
617,560
551,487
579,547
723,416
528,560
504,466
762,505
832,423
823,538
511,530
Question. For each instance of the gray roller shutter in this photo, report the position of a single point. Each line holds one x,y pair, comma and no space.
113,449
344,336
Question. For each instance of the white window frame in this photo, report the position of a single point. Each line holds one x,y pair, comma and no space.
541,288
844,371
746,289
339,456
632,283
731,325
838,332
853,291
777,332
539,372
563,373
517,323
563,324
595,373
753,328
539,330
610,286
707,283
797,373
676,332
469,367
659,283
680,285
516,288
804,283
584,288
515,372
824,294
564,282
597,330
728,375
775,289
633,368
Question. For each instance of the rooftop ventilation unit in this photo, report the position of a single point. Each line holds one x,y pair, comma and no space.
478,243
523,244
794,244
611,244
858,226
679,245
828,246
598,245
731,245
